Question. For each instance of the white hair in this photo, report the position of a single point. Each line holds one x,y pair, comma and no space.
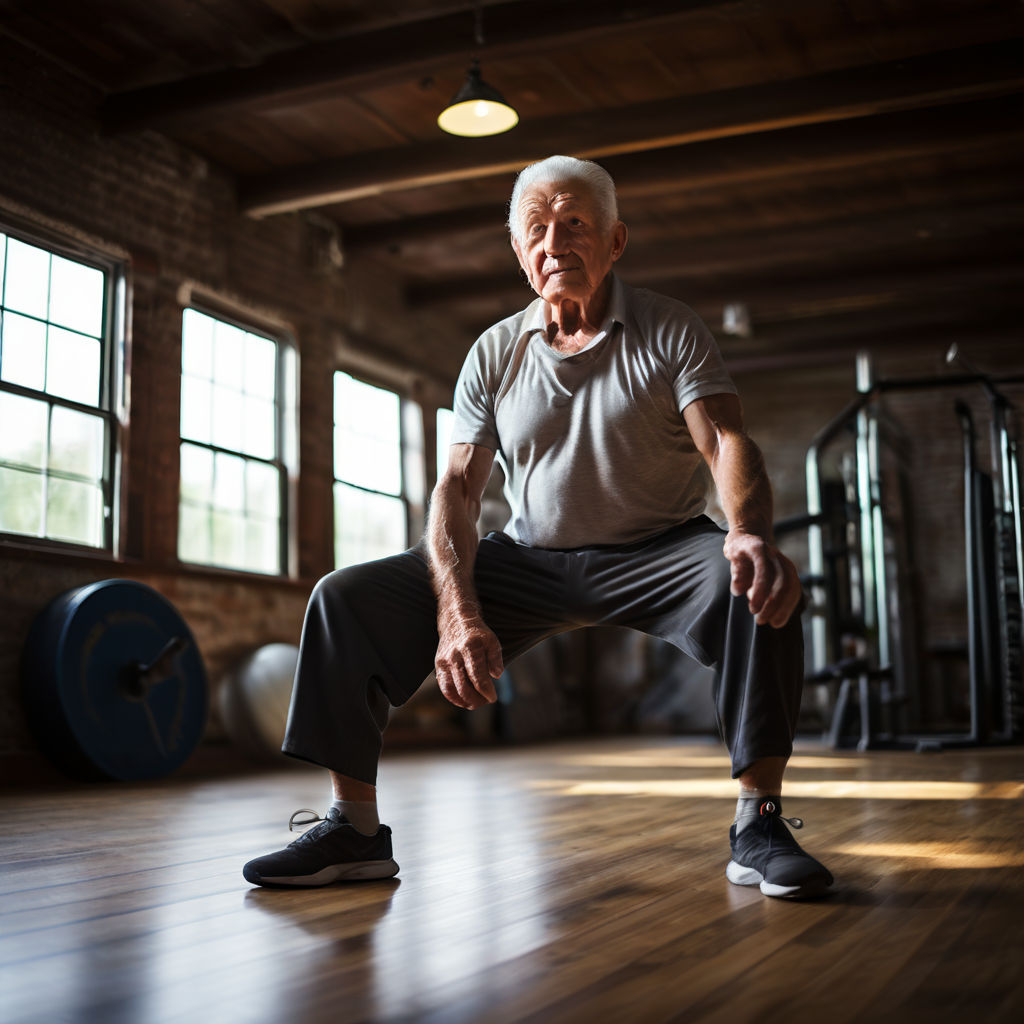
563,169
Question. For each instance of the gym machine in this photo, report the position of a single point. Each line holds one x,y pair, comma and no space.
862,630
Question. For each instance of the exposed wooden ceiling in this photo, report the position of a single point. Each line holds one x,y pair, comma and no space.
852,170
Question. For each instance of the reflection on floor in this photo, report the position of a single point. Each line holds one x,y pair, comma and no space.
577,882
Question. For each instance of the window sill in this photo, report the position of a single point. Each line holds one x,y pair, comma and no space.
109,564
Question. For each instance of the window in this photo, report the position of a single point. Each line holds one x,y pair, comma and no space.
57,393
445,421
234,393
378,470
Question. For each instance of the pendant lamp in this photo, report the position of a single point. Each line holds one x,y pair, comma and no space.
477,109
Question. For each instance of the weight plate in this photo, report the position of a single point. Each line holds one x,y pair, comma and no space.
93,709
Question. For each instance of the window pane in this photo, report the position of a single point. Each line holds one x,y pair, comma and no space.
262,491
27,279
195,409
76,443
262,546
197,344
258,438
196,474
413,467
227,418
3,262
194,534
21,502
229,401
23,351
74,512
260,366
367,443
445,422
73,366
368,462
367,526
228,545
228,352
22,430
229,482
76,296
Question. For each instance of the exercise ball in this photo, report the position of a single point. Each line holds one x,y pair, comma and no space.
254,698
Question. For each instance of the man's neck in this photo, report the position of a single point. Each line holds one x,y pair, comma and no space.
573,325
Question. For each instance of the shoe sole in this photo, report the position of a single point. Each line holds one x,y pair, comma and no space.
739,874
354,871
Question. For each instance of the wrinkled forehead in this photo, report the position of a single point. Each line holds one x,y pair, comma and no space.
543,196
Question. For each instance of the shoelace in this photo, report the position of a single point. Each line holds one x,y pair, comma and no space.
768,810
304,823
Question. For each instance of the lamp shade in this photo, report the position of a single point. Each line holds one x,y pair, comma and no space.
477,109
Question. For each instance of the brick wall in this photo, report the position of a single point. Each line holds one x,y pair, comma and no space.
173,217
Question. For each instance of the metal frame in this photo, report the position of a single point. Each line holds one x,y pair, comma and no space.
1009,589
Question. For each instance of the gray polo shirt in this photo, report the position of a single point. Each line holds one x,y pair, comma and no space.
593,445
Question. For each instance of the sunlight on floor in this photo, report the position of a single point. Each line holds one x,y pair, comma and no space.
935,854
669,759
837,789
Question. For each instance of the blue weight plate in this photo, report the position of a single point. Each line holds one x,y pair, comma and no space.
81,657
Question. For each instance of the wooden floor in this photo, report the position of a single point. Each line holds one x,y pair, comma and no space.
578,882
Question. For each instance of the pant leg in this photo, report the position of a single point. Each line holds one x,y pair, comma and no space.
368,642
370,636
676,587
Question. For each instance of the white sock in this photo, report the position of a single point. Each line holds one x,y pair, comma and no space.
748,808
362,814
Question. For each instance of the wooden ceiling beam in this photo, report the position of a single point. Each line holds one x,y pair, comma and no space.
929,234
724,163
987,70
382,57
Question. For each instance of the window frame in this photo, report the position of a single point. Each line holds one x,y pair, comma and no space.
406,406
285,434
112,404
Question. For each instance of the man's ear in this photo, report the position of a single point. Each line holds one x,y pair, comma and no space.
620,235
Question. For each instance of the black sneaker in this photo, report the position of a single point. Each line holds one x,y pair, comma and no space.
333,851
765,853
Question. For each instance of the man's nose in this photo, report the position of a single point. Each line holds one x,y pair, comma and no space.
555,241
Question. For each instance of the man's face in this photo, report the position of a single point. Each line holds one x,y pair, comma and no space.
563,248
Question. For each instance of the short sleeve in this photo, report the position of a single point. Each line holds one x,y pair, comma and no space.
698,368
474,421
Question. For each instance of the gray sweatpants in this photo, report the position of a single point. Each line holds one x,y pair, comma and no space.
370,636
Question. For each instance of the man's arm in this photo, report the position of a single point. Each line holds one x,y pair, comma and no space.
759,569
468,652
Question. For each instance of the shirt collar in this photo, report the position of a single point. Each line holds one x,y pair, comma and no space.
534,319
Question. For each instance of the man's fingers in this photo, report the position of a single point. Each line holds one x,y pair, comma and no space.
767,578
495,662
478,669
784,596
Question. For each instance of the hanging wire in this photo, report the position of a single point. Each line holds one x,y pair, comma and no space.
478,23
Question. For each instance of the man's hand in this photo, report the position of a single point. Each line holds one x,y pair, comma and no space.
767,577
468,655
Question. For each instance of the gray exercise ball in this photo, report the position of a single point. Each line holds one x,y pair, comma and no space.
253,700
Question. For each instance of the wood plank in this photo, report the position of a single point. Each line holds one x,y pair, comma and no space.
522,898
393,55
969,73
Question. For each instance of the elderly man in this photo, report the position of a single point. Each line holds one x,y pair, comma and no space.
601,403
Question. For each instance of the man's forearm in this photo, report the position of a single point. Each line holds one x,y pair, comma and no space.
743,488
452,541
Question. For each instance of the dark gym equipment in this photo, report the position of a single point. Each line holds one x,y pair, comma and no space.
113,683
859,545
